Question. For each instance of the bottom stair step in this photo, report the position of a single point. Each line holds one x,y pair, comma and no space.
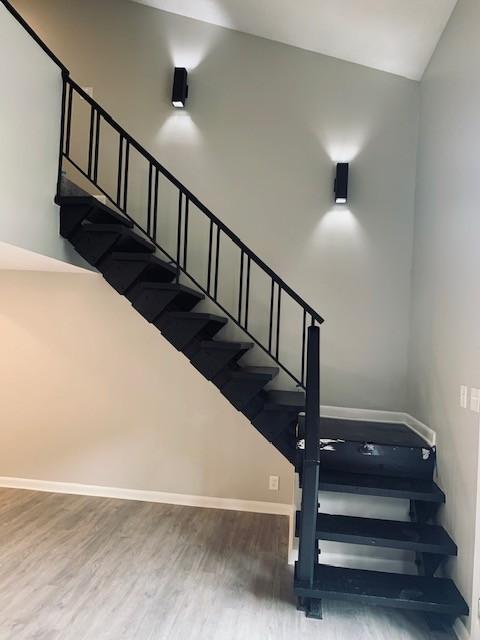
416,593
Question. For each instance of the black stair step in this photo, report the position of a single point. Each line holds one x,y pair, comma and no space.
372,485
210,357
273,412
374,448
241,384
154,298
294,400
123,269
409,536
76,209
183,327
415,593
93,241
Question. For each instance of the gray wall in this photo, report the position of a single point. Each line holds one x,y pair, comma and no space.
445,345
29,141
265,124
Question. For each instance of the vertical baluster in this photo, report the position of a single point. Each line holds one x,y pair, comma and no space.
120,169
209,268
278,320
240,289
149,200
62,133
247,292
270,328
217,260
125,177
69,120
90,141
304,335
155,205
185,234
97,148
179,233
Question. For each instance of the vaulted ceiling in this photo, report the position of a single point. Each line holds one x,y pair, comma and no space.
397,36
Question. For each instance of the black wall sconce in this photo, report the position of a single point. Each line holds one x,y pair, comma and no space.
341,183
180,87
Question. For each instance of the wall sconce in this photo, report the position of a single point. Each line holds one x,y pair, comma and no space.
341,183
180,87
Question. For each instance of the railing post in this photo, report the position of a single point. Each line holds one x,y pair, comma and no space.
65,75
307,557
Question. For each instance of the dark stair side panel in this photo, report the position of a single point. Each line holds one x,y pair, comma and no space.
151,299
375,448
431,539
93,241
122,269
416,593
241,384
210,357
278,412
74,210
181,328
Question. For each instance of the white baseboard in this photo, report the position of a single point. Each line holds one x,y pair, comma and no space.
460,630
374,415
209,502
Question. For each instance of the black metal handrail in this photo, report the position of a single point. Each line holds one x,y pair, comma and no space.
217,229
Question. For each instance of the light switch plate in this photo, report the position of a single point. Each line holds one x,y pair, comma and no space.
475,400
463,396
273,483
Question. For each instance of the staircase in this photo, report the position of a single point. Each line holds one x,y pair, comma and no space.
330,455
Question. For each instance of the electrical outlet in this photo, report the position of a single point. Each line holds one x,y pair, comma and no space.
475,400
463,396
273,483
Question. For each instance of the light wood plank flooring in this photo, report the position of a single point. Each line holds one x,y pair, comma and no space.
81,568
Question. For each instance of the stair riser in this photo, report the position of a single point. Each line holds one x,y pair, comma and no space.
151,304
241,392
180,333
71,219
275,422
93,246
210,362
122,274
383,460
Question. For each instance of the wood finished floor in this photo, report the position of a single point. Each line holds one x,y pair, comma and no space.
82,568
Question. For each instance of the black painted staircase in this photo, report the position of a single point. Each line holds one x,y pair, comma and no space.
334,455
357,457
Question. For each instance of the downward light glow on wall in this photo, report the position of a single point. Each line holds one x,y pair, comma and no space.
180,87
341,183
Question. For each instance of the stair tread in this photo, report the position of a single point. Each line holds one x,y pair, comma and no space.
381,433
222,344
276,399
124,231
363,484
197,315
265,372
134,256
169,286
429,538
96,204
419,593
